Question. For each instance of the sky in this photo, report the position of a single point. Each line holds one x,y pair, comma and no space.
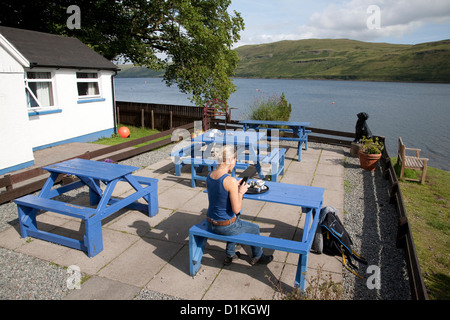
391,21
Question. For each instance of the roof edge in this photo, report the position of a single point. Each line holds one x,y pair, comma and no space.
9,47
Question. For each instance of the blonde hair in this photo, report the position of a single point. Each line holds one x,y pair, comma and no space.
227,154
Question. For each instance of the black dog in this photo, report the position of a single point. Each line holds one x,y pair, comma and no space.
361,128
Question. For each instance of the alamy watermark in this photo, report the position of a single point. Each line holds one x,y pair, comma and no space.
374,20
74,20
374,280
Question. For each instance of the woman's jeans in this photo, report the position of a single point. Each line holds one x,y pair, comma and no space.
238,227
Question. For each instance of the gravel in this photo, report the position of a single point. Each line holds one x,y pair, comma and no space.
369,218
371,221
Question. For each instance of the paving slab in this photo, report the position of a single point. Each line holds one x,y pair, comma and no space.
99,288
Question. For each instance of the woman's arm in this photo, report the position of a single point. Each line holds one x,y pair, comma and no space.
236,193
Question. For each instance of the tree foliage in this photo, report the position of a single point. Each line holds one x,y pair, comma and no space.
191,40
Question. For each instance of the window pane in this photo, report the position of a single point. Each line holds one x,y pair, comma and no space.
43,92
39,75
88,89
31,102
86,75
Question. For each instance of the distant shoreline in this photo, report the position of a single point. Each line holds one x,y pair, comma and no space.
321,79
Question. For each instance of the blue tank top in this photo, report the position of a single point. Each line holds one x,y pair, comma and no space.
219,199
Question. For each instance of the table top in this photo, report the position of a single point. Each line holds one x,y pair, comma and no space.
230,137
92,169
275,123
291,194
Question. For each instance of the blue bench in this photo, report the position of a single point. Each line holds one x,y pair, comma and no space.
199,234
276,159
92,242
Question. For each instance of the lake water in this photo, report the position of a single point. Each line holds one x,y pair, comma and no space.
417,112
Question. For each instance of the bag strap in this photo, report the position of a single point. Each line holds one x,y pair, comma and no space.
359,258
345,264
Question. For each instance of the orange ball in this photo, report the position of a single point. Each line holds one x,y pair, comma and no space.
124,132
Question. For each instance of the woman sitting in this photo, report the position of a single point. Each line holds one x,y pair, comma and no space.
225,195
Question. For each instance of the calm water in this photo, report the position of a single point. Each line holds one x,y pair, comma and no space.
417,112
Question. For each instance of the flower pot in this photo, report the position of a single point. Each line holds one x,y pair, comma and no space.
368,161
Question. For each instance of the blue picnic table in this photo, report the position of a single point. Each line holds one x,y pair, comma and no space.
244,141
200,152
298,128
90,173
310,199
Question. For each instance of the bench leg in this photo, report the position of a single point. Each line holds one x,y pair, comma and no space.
94,197
27,220
300,277
299,151
177,169
93,239
152,199
193,175
196,248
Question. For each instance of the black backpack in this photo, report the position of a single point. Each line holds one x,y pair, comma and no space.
332,238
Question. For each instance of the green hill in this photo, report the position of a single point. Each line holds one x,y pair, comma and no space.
346,59
131,71
336,59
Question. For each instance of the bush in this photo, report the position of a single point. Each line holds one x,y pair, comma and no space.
273,108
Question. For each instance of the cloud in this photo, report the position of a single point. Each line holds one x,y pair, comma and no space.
396,17
294,20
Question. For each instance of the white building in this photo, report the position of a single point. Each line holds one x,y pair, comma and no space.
53,90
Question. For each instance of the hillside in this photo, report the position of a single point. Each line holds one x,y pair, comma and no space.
338,59
346,59
131,71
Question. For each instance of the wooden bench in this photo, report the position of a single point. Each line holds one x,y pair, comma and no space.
199,234
411,162
276,158
92,242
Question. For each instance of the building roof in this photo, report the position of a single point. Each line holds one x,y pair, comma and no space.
49,50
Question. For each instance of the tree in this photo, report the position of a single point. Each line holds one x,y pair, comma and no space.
191,40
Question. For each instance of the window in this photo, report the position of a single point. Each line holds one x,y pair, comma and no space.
39,89
87,84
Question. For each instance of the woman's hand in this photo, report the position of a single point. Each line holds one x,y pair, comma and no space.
242,188
236,192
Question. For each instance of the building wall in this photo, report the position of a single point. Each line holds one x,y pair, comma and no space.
72,119
15,145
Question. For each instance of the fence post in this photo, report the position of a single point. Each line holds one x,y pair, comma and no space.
142,118
153,121
118,115
170,122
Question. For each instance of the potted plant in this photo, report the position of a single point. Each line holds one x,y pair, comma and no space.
370,153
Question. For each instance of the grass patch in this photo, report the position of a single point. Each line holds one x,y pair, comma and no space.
428,211
135,133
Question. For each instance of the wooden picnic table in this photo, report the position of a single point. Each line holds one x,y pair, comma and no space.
298,128
89,173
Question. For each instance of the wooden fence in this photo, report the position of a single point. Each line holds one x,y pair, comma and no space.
404,235
156,116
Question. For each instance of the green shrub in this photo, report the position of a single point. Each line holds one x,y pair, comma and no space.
272,108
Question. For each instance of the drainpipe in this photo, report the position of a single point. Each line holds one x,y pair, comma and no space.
114,101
